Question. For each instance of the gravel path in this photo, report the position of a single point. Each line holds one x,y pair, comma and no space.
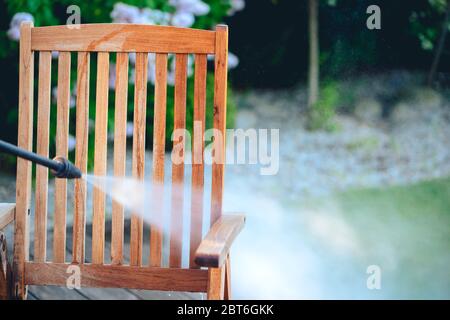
412,145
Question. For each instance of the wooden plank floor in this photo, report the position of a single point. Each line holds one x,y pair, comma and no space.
63,293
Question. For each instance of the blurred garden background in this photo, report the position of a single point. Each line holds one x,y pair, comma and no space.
363,110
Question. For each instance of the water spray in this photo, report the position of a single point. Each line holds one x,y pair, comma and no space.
60,167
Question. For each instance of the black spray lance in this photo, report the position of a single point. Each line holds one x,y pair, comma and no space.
59,166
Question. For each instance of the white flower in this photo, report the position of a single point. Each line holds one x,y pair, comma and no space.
14,27
132,57
233,61
142,19
130,129
171,78
72,142
132,76
55,54
196,7
153,16
190,65
151,72
183,19
112,76
14,33
236,5
124,13
200,8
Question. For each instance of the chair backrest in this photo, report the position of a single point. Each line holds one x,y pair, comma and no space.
103,40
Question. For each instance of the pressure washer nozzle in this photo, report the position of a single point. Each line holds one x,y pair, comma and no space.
66,170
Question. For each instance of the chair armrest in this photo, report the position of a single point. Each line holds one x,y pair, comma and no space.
7,212
213,250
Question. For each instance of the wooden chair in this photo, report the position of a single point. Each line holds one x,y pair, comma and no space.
209,266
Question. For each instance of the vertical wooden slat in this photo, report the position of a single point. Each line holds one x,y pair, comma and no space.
216,283
227,289
101,131
120,143
159,138
24,140
198,148
81,156
176,222
42,146
62,138
140,104
220,112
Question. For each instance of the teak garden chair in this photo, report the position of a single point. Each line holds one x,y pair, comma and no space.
209,266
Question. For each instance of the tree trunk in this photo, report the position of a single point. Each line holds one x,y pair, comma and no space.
440,46
313,74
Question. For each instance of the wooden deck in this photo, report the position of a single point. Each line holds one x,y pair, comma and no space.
63,293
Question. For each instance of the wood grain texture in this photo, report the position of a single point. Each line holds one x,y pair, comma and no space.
62,140
138,165
100,157
216,283
214,248
42,148
120,150
7,212
227,288
124,294
123,38
115,276
198,149
220,112
177,195
159,141
81,156
24,141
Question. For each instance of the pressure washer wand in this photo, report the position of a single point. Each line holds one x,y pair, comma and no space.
59,166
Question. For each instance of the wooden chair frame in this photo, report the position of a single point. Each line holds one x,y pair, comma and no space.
209,269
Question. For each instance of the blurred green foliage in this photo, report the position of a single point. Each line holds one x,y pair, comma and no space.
426,23
322,113
272,40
